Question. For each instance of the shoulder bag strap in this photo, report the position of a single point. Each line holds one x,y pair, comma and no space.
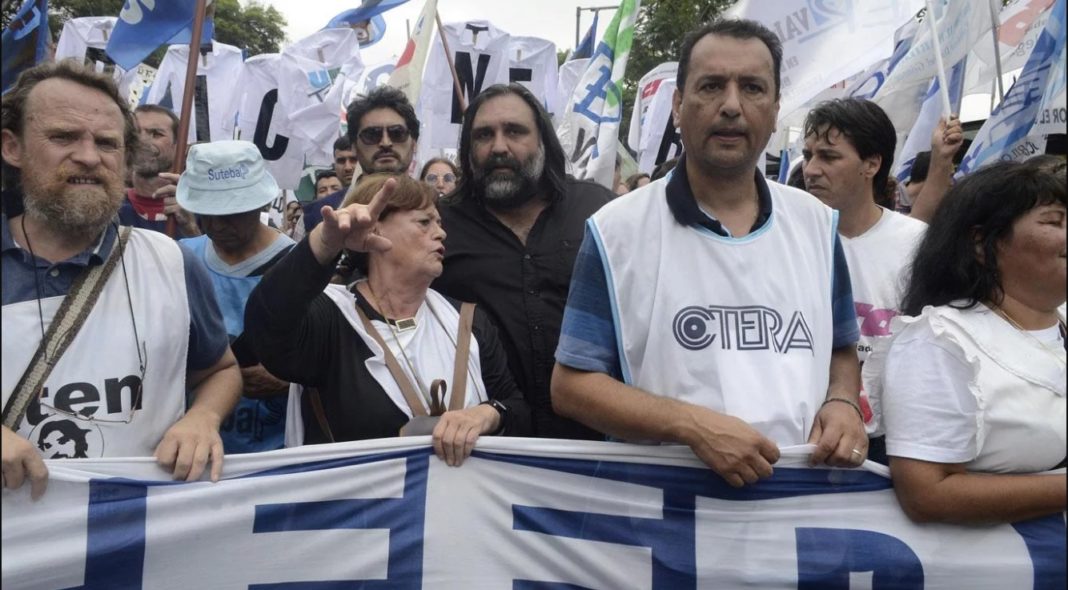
463,353
405,384
66,324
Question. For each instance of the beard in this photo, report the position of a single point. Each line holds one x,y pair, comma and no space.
508,191
80,211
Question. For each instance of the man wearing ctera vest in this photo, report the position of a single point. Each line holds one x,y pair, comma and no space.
153,332
712,308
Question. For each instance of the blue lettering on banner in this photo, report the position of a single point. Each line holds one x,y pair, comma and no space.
826,557
115,552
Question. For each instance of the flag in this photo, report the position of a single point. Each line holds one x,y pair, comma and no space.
144,25
408,75
919,138
826,42
1008,133
585,47
520,513
1051,113
960,26
25,40
591,118
366,20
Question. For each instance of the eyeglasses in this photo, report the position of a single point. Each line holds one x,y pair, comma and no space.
447,177
373,135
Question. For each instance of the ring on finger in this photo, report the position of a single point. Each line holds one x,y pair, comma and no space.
858,454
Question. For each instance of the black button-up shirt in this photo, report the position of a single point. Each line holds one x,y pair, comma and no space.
522,287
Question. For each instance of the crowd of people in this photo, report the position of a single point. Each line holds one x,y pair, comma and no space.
920,326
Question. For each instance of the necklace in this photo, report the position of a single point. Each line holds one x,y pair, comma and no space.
36,279
409,325
1005,315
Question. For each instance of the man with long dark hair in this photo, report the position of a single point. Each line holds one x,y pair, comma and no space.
514,226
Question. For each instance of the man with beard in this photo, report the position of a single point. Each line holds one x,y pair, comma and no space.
712,308
383,131
151,196
514,226
155,329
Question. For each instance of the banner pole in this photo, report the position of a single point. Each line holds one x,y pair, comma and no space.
182,140
995,27
942,82
452,66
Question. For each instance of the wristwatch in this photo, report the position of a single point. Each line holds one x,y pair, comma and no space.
501,409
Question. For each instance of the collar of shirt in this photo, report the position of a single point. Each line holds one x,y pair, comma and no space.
95,254
684,205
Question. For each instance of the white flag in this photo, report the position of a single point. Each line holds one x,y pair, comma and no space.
408,75
591,120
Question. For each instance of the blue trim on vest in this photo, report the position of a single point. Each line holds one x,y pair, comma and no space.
624,369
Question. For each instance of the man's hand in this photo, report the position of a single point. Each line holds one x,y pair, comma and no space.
351,227
732,448
947,138
187,222
187,446
457,431
260,383
838,431
21,462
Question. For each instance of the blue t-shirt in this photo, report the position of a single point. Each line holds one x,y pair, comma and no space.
588,334
313,214
207,334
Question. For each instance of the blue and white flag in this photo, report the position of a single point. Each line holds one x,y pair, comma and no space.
366,20
144,25
1052,116
585,47
919,138
25,40
520,513
1008,134
590,125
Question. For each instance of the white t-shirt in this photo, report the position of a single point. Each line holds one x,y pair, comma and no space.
221,68
533,64
879,261
256,116
568,78
995,400
480,53
647,89
85,40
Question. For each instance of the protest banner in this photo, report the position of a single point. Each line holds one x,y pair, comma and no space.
520,513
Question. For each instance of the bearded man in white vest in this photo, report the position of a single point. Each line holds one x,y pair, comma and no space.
712,308
153,332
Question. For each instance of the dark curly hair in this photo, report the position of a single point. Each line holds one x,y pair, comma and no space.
958,257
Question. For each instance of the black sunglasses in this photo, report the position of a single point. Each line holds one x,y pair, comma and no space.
373,135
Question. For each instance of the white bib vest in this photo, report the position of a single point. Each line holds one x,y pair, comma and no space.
99,374
739,325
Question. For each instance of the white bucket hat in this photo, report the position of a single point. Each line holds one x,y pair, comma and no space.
224,178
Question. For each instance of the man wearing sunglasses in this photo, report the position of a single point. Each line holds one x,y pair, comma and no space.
383,130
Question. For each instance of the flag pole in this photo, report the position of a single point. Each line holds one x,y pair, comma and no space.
947,109
995,26
452,66
187,100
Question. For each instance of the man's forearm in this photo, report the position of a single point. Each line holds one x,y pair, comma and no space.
844,374
216,390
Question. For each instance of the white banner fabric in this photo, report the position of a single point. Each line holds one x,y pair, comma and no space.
520,513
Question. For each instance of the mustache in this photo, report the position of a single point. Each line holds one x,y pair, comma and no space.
386,152
502,161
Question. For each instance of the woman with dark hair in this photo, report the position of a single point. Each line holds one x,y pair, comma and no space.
441,174
972,388
386,352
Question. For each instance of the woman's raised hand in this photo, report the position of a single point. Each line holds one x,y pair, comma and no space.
351,227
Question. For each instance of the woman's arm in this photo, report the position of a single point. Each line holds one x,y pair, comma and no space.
946,492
